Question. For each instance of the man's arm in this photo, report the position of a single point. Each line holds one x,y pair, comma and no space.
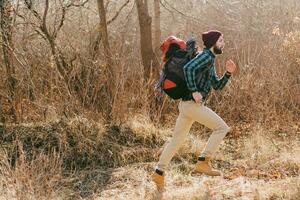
198,63
219,83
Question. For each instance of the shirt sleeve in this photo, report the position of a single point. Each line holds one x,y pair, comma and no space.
200,62
219,83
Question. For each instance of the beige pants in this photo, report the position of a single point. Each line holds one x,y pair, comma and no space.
189,112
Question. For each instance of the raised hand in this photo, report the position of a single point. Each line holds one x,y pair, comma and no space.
230,66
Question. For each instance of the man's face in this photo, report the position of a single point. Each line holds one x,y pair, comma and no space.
220,44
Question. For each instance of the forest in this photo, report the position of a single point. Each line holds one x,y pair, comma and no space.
80,117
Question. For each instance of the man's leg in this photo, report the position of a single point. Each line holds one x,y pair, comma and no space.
210,119
181,130
220,129
182,127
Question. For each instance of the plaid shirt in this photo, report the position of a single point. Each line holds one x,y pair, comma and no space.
200,74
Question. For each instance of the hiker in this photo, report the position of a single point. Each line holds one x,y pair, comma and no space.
200,76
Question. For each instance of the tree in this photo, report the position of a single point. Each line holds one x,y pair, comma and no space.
108,57
149,60
157,32
95,44
50,34
7,46
104,34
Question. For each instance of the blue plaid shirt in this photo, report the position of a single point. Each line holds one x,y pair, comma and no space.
200,74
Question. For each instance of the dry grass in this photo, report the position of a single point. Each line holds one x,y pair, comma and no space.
246,177
38,178
71,157
74,167
65,147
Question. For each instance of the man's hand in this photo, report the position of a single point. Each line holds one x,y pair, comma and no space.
230,66
197,97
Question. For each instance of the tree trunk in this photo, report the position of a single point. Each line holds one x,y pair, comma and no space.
149,60
7,46
157,33
109,72
104,34
150,63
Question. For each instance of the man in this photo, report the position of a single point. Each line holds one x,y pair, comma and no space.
200,75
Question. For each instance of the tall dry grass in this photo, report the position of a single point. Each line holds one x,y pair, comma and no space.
262,38
70,158
64,147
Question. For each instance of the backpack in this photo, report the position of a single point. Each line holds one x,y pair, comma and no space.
172,80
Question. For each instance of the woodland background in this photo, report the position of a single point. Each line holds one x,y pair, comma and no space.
80,118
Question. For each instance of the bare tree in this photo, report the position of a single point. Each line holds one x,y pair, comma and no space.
157,32
104,35
7,46
149,60
50,35
108,56
95,44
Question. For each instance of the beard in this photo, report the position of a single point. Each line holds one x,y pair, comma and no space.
217,50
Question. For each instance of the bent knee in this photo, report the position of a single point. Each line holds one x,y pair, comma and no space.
224,128
227,128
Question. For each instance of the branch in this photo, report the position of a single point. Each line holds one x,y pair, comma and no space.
76,5
15,13
63,15
118,12
19,15
130,12
106,5
42,25
62,19
45,15
178,11
42,34
28,4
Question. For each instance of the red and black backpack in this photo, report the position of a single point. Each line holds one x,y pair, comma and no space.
176,53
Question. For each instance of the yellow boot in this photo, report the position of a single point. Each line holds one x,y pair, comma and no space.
203,166
158,178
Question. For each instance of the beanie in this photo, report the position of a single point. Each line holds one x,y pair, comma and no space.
210,38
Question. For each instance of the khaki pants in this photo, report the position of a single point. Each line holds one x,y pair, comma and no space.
189,112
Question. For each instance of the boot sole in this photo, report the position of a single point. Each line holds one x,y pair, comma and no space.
205,173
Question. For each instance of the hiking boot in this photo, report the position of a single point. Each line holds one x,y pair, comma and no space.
158,178
203,166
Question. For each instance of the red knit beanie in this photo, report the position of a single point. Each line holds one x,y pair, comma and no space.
210,38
